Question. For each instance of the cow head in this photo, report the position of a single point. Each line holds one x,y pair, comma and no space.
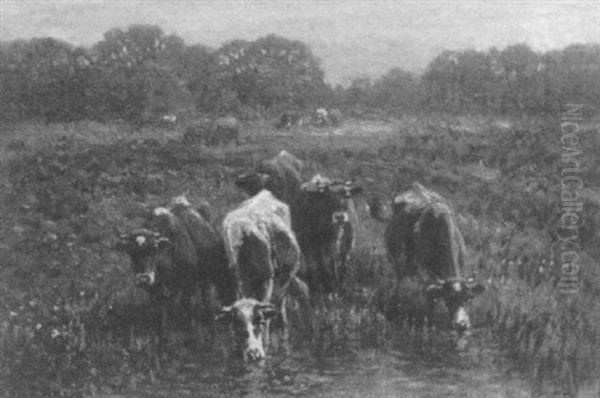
253,183
149,251
333,197
456,294
248,319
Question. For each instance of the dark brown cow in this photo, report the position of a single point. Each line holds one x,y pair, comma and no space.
185,252
224,131
423,242
282,175
288,120
264,256
335,117
324,219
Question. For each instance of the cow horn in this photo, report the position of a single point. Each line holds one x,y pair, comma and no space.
265,306
264,178
162,239
223,312
434,290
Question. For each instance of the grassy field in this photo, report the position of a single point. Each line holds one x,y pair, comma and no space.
66,296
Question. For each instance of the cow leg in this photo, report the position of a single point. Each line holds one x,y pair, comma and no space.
189,308
343,262
162,326
428,321
130,337
330,273
321,272
206,299
285,337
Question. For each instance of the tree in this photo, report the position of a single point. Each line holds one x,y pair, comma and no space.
520,66
139,73
39,79
201,73
397,91
579,66
272,71
359,93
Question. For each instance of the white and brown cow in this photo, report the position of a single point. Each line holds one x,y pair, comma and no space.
264,256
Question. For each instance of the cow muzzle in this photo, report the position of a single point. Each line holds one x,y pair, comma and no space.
254,355
146,278
461,320
340,217
253,350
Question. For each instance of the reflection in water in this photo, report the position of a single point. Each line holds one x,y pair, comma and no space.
413,364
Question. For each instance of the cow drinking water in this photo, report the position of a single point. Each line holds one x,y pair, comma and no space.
424,244
264,256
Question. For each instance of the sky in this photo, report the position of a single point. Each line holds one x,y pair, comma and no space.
353,38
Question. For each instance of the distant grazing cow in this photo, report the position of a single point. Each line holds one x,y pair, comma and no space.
224,131
288,120
281,175
324,219
220,132
335,117
320,117
264,256
423,242
185,252
169,121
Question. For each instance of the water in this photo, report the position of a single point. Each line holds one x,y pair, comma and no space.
410,367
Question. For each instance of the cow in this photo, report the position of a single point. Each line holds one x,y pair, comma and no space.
224,130
182,252
168,120
324,219
320,117
264,256
424,243
288,120
282,175
323,215
219,132
335,117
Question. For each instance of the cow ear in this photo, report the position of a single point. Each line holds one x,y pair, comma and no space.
266,310
123,244
264,179
476,289
164,243
318,183
224,313
355,190
434,290
308,187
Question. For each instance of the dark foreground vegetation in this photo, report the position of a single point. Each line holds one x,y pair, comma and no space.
67,298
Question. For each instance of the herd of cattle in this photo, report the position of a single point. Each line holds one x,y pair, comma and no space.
291,237
226,129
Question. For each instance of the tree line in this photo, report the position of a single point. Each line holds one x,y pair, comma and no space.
139,73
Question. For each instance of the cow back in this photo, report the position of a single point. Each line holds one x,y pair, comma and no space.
285,171
423,237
